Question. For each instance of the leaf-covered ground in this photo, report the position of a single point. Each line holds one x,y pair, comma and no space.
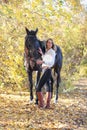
16,113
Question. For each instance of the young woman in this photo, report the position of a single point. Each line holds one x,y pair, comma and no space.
47,62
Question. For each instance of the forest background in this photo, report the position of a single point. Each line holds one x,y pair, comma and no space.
63,21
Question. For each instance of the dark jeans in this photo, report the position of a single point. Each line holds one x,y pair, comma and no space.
45,79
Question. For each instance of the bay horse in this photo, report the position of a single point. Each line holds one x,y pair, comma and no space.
31,55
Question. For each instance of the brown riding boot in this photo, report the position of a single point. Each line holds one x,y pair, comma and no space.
48,99
40,99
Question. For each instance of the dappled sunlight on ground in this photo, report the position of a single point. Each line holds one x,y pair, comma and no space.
70,113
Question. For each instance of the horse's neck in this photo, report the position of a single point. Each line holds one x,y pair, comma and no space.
42,46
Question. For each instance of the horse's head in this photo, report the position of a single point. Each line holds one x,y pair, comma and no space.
32,45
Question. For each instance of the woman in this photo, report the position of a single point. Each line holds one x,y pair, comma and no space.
47,62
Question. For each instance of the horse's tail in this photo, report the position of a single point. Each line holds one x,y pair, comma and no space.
59,57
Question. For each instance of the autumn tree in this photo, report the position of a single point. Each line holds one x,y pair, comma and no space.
64,22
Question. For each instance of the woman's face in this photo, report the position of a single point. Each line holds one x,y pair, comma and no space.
49,44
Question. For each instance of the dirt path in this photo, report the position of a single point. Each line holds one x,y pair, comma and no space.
69,114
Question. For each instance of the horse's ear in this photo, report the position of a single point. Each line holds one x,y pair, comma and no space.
36,30
27,31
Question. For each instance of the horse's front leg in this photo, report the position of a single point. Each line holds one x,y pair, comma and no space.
30,84
37,80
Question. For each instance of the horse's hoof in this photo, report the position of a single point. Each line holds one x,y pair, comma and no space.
36,103
31,101
55,101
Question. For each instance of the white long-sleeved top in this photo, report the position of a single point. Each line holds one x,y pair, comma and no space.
48,58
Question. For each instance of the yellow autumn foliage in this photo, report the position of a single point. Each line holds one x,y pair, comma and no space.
66,26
